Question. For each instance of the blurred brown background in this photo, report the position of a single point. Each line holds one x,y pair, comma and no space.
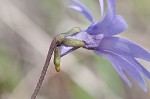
26,29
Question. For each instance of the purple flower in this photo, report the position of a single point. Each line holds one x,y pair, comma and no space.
100,37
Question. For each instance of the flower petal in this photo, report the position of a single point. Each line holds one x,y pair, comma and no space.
101,26
117,68
111,6
91,41
101,3
75,8
83,9
137,65
65,50
123,47
117,26
124,65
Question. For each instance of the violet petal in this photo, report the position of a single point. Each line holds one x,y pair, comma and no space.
65,50
117,68
100,26
117,25
101,3
129,68
92,41
137,65
83,9
123,47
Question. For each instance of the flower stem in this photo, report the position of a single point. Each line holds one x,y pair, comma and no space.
43,73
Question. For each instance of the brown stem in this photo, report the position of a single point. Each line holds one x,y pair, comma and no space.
43,73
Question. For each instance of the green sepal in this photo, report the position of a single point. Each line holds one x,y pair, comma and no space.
57,56
73,42
73,31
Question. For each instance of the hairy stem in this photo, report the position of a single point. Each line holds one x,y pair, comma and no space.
43,73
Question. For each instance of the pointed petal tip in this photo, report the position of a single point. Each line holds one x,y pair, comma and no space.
121,64
78,6
101,3
75,8
124,47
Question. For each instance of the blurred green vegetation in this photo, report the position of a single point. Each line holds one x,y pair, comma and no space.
9,76
79,93
142,7
109,75
53,12
142,11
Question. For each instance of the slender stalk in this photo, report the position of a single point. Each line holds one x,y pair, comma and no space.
56,42
45,67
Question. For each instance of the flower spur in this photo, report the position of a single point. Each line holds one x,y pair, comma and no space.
100,38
